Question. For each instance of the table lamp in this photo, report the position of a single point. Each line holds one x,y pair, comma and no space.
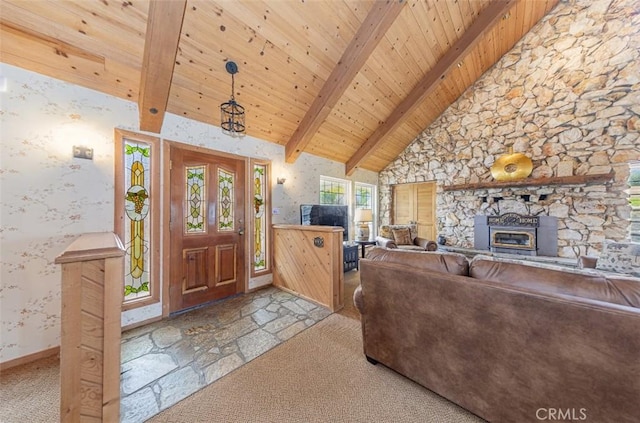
363,217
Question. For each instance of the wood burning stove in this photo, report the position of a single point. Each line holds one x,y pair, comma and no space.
515,234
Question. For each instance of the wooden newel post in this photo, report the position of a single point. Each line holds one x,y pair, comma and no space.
92,291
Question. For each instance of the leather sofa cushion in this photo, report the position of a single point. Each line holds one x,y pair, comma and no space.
586,283
452,263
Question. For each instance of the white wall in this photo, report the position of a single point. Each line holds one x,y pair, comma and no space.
48,198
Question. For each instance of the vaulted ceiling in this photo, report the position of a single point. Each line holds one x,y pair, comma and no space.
353,81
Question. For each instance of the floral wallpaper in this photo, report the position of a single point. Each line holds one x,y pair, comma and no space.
48,197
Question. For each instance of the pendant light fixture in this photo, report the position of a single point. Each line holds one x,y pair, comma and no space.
231,113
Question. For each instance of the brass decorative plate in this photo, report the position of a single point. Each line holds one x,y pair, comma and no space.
511,167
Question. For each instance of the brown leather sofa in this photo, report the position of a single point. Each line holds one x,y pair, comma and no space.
507,341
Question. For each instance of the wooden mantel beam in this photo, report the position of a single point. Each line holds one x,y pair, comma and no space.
487,19
160,49
378,21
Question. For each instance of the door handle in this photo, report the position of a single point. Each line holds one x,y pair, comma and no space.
241,231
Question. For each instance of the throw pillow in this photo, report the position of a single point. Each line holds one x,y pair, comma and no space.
620,257
385,232
402,236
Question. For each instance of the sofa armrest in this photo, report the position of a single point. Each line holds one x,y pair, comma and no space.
427,244
385,242
586,262
357,299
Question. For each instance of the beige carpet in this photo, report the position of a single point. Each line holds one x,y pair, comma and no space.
31,393
320,375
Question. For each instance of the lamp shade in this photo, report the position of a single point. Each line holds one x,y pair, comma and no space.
364,215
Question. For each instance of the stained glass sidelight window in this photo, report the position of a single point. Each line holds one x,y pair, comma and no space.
225,201
260,235
196,195
137,181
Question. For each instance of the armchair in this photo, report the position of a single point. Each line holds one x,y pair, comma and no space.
404,237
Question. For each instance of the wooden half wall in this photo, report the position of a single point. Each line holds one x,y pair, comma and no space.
308,261
92,293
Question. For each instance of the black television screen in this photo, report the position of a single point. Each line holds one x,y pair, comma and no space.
325,215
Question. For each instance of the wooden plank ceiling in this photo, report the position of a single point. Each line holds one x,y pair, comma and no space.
353,81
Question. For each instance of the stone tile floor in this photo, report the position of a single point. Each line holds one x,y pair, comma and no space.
166,361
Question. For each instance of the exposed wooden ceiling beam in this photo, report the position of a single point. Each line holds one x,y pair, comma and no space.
487,19
58,47
378,21
160,48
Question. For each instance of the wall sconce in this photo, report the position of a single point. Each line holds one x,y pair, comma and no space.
82,152
281,181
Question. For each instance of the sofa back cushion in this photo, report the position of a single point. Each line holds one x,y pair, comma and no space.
432,261
620,257
578,283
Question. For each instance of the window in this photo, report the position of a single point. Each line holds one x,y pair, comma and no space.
334,191
634,201
365,196
339,192
137,201
261,220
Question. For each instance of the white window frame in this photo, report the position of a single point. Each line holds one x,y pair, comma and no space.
373,227
347,190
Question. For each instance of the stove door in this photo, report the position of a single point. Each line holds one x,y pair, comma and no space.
519,239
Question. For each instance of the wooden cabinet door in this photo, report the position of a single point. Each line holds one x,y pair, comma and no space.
416,203
425,210
403,203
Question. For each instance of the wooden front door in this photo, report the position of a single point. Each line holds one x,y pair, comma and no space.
207,227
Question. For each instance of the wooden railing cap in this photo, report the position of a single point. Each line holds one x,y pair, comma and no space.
92,246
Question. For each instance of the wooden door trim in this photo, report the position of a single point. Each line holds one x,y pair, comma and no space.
166,213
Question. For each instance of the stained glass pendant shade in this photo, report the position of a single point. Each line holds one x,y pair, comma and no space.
231,113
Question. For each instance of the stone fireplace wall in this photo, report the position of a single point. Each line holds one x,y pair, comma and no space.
568,96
